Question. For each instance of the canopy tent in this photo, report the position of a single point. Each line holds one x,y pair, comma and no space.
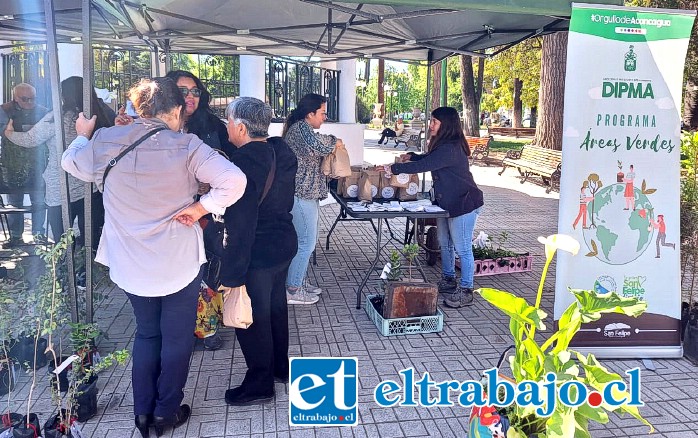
404,30
409,30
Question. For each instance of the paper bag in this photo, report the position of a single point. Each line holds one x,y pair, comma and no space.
385,189
368,184
410,192
400,180
349,187
237,308
336,164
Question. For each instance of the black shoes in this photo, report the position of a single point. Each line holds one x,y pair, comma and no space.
463,296
213,342
447,285
239,397
143,423
174,421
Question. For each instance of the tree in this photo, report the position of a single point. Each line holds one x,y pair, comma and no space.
552,91
435,86
471,108
519,63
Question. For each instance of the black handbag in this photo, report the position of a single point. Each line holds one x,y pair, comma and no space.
215,235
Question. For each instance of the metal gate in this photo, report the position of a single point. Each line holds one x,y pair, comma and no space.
117,70
287,82
27,67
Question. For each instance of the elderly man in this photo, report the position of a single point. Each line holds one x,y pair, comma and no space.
22,167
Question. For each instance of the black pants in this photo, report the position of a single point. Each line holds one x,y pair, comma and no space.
387,132
162,349
265,343
77,209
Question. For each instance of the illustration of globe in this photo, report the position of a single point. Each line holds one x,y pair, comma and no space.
620,236
604,285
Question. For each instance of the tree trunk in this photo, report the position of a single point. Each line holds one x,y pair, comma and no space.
436,86
690,105
551,97
381,78
534,116
518,105
471,114
367,70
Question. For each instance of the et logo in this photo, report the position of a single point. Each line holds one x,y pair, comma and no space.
323,391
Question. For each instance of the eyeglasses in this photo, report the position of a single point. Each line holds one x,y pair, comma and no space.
26,99
194,91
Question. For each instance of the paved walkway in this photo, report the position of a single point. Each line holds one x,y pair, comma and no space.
471,341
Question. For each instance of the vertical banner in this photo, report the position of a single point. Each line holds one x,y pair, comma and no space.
619,191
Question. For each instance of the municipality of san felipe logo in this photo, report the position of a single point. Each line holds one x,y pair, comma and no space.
323,391
630,63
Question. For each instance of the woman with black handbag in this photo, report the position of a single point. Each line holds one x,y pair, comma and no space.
151,240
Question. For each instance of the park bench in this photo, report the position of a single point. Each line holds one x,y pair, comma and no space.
479,148
536,160
515,132
411,137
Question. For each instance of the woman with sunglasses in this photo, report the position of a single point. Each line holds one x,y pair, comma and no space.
200,120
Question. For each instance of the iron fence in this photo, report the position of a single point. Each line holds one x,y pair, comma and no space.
29,67
117,70
287,82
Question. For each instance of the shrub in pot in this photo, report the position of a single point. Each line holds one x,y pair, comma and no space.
410,297
532,361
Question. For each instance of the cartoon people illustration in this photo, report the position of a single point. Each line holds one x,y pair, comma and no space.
584,198
661,235
629,193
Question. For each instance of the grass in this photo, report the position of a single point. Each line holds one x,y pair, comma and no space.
506,145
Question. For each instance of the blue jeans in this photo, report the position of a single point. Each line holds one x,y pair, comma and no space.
16,221
306,214
162,349
456,236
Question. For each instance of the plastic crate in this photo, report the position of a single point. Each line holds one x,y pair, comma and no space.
404,326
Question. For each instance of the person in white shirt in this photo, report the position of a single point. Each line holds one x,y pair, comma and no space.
151,240
390,133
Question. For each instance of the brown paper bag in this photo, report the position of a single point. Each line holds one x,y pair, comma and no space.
410,192
336,164
385,189
368,185
400,180
350,185
237,308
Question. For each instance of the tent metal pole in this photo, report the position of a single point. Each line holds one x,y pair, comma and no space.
157,61
52,51
87,87
444,77
427,110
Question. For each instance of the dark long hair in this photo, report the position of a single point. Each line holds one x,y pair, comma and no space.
308,104
203,120
71,94
450,130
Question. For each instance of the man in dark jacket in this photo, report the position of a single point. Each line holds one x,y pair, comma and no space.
22,167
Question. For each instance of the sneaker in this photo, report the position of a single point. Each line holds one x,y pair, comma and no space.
463,296
447,285
311,289
301,297
13,242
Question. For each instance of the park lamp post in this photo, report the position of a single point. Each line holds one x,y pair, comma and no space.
389,91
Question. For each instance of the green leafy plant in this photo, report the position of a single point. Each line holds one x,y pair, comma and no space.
533,361
395,266
410,252
689,214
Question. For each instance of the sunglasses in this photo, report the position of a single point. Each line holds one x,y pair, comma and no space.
186,91
26,99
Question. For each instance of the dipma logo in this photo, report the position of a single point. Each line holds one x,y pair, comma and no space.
323,391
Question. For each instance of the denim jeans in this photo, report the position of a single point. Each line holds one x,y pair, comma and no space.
456,236
306,214
16,221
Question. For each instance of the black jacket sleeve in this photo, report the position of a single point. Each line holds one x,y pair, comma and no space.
439,158
241,218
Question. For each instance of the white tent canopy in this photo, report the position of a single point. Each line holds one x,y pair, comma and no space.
301,28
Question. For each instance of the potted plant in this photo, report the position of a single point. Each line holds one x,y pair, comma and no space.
689,243
8,419
533,360
491,260
409,297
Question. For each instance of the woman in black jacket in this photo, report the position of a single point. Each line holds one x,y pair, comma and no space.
261,242
456,192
